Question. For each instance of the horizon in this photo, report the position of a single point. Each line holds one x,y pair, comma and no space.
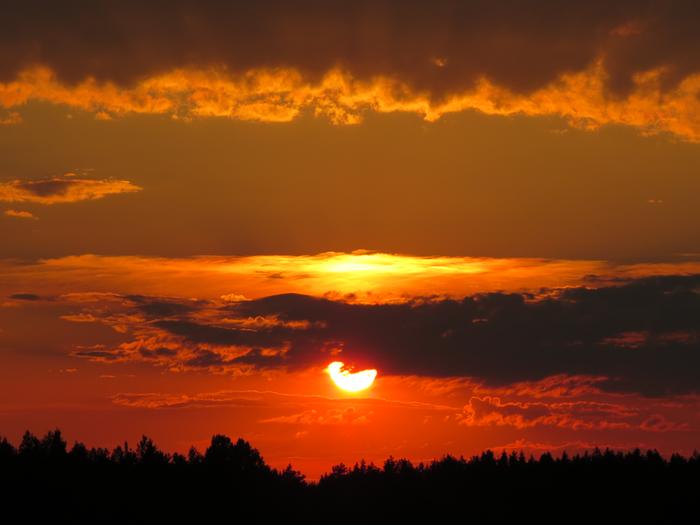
359,464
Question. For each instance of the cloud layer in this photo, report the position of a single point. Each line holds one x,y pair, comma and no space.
639,337
632,62
438,47
358,277
578,412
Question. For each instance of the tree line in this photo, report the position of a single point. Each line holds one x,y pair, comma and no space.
230,482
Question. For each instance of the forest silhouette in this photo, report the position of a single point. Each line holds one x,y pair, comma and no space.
230,482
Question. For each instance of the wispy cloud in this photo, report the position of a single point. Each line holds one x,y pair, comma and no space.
64,189
10,119
20,214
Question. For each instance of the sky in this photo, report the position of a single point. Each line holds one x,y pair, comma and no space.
491,204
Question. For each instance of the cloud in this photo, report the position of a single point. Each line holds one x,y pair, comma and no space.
20,214
79,318
347,416
557,386
11,119
268,398
436,46
576,415
154,400
522,343
631,62
572,447
62,189
587,413
25,296
357,277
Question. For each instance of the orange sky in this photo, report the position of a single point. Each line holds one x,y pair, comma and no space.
92,344
493,205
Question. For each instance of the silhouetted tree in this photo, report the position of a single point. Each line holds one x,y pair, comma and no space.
148,454
42,480
30,447
7,451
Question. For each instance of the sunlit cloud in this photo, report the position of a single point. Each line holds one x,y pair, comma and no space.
153,400
283,94
576,415
347,416
68,188
589,65
357,277
20,214
10,119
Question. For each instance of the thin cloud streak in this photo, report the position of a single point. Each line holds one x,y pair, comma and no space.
60,190
20,214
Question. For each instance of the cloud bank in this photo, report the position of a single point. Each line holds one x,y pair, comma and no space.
640,337
358,277
632,62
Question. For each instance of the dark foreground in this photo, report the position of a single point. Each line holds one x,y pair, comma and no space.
42,479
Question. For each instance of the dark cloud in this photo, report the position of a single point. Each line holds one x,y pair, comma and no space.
98,355
439,46
25,297
503,338
155,308
157,352
199,333
642,336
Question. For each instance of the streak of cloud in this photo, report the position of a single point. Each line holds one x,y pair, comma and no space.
65,189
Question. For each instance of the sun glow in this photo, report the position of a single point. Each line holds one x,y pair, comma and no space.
349,381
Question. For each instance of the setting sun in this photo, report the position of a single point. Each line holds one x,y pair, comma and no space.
349,381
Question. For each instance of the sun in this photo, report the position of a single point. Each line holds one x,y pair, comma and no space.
349,381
